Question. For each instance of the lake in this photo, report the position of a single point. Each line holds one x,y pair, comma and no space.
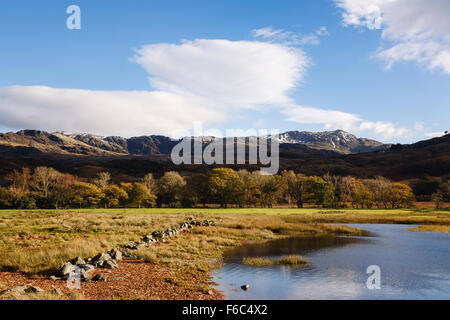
414,265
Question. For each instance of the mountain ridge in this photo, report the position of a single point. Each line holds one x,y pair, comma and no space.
94,145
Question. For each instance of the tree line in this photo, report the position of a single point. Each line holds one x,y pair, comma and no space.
47,188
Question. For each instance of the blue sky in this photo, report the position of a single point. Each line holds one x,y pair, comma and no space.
343,73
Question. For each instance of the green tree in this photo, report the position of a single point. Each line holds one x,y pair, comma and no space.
319,192
269,186
6,198
251,194
224,186
26,202
438,199
295,187
170,189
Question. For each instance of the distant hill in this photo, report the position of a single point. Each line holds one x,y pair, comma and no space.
88,144
308,153
338,141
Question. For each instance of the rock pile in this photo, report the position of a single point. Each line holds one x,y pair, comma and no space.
81,268
22,290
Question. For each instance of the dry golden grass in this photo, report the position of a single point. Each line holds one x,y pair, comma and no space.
35,242
431,228
294,261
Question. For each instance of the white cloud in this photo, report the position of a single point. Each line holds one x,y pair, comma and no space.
238,73
195,81
434,134
416,30
124,113
290,38
208,81
333,120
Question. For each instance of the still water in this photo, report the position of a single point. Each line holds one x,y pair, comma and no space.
414,265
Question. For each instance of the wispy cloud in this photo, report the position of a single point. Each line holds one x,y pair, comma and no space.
201,80
414,30
290,38
333,119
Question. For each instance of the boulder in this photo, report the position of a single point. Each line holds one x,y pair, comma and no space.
110,264
245,287
78,261
100,259
32,289
18,290
56,291
116,254
99,277
87,267
66,269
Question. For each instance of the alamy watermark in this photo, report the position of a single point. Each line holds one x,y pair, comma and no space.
74,20
236,147
74,279
374,280
374,20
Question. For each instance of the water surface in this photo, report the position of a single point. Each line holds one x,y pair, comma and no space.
414,265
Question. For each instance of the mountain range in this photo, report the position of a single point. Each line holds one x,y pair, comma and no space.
336,152
93,145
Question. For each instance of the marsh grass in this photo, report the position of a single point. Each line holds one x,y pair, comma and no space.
36,242
431,228
294,261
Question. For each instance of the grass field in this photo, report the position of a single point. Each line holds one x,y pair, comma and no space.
36,242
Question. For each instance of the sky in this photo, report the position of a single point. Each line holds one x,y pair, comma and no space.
376,68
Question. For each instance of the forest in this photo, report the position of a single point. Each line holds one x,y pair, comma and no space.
47,188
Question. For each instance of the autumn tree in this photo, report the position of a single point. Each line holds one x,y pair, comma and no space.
61,194
400,195
170,188
141,196
269,186
114,196
85,195
44,180
295,187
224,186
103,180
20,182
149,181
251,194
6,198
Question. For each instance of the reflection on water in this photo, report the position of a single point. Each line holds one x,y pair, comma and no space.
413,266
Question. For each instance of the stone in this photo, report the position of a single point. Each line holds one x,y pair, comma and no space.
245,287
18,290
147,238
101,257
87,267
56,291
116,254
33,289
99,277
110,264
66,269
78,261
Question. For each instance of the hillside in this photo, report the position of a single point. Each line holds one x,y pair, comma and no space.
86,155
338,141
92,145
